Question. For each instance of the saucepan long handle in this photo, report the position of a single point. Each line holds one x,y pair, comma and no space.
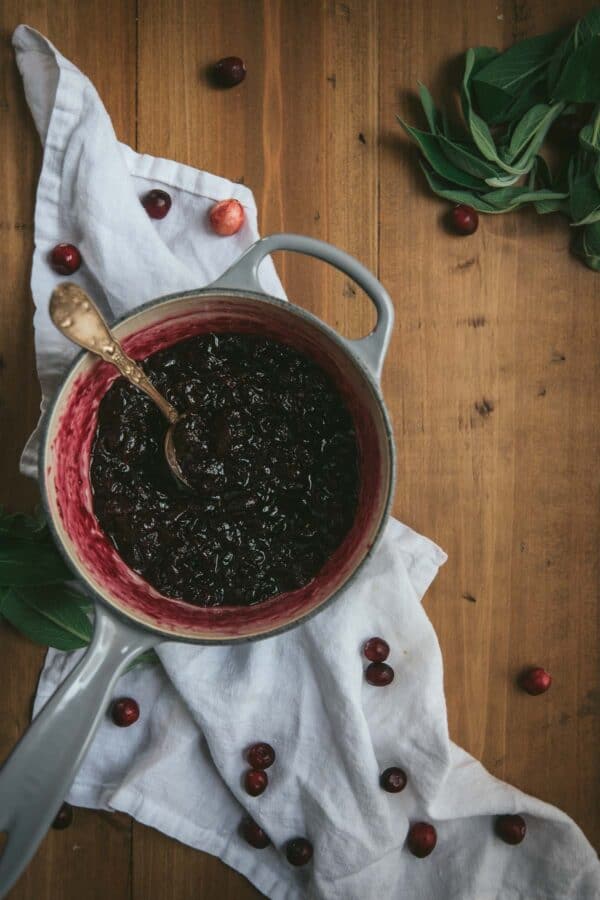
39,772
244,275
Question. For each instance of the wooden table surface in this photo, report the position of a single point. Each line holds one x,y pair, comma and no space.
492,379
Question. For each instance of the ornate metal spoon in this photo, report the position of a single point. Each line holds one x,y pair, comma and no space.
77,317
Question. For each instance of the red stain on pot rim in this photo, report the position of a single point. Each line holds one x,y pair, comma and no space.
69,444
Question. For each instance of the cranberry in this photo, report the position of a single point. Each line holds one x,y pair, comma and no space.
254,835
125,712
255,782
261,756
299,851
379,674
464,219
229,71
393,780
156,203
65,259
63,817
535,681
511,829
376,649
227,217
421,839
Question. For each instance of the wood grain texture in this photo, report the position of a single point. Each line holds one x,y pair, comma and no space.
492,379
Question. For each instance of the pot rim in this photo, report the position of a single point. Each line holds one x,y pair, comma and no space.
344,344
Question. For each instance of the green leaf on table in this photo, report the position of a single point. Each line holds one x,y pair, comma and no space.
51,616
478,128
447,190
502,181
591,238
584,196
513,70
580,249
429,144
589,136
466,159
492,202
19,526
579,81
541,178
557,62
534,123
428,108
517,71
512,197
31,563
587,27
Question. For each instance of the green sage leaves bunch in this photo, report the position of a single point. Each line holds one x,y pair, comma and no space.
510,101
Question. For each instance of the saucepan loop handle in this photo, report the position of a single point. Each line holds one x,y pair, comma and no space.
243,275
37,775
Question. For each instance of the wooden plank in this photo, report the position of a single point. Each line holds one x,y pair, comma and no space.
498,434
91,859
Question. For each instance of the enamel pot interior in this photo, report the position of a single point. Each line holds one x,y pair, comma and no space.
68,444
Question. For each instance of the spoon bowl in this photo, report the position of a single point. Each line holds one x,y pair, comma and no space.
77,317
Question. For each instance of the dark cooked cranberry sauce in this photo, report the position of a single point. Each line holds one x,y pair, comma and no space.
270,450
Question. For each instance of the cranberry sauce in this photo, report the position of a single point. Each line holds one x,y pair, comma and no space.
270,450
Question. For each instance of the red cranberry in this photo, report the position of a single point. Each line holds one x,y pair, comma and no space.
156,203
376,649
229,71
511,829
125,712
299,851
393,780
63,817
379,674
535,681
261,756
421,839
65,259
255,782
254,835
464,219
227,217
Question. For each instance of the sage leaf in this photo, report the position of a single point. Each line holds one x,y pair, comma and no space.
466,159
526,129
591,238
22,527
502,181
449,192
429,144
31,563
584,197
557,62
480,131
580,78
428,108
510,198
514,70
587,27
589,136
49,617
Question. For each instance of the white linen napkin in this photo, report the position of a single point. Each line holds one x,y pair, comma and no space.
179,768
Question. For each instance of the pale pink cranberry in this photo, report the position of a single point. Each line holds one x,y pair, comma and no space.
226,217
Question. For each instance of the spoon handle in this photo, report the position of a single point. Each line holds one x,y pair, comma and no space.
76,316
